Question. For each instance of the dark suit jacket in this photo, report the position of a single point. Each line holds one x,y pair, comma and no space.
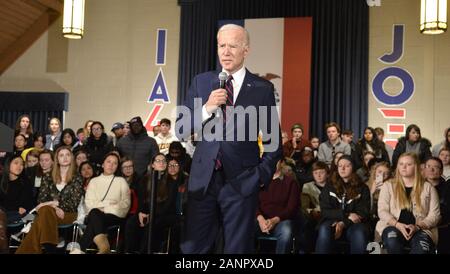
243,168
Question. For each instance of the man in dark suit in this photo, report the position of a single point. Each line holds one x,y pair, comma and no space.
226,176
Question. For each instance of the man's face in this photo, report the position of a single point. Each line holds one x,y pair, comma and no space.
320,175
136,128
332,133
432,170
347,138
231,49
118,132
297,133
165,128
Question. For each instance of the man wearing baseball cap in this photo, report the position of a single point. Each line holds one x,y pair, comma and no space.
117,129
138,145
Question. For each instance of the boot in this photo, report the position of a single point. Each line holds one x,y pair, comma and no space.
4,245
101,240
76,250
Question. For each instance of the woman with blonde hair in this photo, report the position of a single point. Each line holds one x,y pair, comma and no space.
59,196
54,136
87,130
408,208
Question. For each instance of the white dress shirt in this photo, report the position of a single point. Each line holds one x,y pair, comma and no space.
238,79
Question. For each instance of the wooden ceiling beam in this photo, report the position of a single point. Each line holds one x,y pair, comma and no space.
55,5
16,49
28,13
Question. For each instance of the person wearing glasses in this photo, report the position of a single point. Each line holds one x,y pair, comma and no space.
136,230
177,151
98,144
177,177
433,175
133,179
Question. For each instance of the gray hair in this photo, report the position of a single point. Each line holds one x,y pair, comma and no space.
236,27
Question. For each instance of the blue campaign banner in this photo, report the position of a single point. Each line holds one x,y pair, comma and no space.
159,90
387,99
397,45
161,42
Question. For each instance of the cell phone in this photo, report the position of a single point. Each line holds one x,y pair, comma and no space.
379,178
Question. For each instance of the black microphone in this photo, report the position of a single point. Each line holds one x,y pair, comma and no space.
222,78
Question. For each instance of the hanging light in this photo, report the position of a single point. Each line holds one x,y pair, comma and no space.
73,22
433,16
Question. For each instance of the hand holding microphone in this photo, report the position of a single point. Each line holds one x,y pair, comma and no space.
217,97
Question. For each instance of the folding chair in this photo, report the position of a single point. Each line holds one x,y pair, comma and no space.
264,248
115,247
13,228
65,227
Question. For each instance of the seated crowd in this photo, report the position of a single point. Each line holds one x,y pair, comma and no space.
331,197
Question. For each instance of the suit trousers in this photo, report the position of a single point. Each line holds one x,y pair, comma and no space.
221,207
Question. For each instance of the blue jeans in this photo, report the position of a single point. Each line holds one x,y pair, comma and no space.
283,231
357,235
395,242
